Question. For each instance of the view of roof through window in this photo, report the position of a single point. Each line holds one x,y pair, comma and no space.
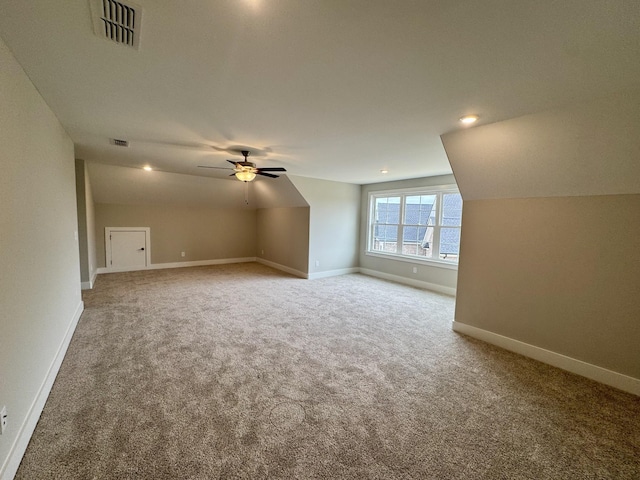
424,225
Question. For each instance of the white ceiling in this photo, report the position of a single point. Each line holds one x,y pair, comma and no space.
332,89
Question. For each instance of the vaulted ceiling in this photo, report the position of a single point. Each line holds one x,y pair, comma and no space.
332,89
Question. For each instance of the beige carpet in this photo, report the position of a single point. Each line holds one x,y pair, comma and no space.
242,372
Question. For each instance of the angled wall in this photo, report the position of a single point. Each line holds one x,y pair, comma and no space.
283,238
282,226
550,249
334,225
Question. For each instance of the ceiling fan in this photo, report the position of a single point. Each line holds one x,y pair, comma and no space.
246,171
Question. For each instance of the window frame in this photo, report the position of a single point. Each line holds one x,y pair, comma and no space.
439,191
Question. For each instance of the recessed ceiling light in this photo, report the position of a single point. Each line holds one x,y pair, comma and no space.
147,168
384,170
469,119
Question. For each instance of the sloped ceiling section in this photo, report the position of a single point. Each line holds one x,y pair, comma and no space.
585,149
278,193
134,186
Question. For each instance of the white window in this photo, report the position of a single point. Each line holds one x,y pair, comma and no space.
416,224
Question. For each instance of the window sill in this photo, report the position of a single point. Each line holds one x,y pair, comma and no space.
418,260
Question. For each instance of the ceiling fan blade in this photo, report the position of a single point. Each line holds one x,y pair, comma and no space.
274,169
219,168
266,174
231,161
232,175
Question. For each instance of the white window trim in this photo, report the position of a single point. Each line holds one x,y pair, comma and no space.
434,262
405,258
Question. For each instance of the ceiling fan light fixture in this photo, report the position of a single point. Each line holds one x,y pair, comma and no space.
469,119
245,175
246,171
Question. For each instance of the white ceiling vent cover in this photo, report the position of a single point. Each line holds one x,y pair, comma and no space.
117,21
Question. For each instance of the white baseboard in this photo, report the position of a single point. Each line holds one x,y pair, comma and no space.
333,273
89,285
283,268
410,281
311,276
196,263
16,452
588,370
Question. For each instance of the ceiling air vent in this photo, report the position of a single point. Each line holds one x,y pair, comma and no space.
117,21
120,143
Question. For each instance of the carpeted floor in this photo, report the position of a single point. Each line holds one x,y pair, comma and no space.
242,372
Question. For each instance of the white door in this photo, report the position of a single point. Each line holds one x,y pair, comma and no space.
127,249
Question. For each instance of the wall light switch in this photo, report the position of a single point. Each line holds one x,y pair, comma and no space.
3,419
182,254
415,269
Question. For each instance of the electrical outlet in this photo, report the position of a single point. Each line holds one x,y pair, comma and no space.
3,419
415,269
182,254
317,263
262,252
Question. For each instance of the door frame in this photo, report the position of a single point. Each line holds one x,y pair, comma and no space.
107,245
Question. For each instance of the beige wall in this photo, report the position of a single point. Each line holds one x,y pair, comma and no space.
334,223
81,200
559,273
439,276
40,281
91,226
86,224
202,233
550,252
283,236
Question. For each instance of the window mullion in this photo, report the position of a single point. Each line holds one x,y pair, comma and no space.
372,239
436,228
401,224
373,215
